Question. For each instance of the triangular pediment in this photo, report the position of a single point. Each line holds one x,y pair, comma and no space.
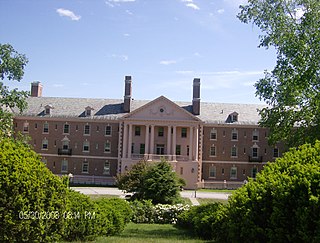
161,109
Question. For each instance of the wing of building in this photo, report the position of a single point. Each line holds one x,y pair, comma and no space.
210,145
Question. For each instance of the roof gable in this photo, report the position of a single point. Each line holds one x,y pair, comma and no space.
161,109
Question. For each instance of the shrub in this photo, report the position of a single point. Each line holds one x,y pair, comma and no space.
203,221
282,205
32,199
146,212
80,218
155,181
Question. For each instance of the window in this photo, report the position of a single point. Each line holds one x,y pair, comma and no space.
142,148
244,172
108,130
234,118
234,151
188,150
178,149
88,112
255,152
86,146
275,153
184,132
255,135
26,127
212,171
106,168
86,129
181,170
64,165
254,172
132,148
45,143
66,128
213,150
160,131
98,129
46,127
233,173
137,130
107,147
222,171
85,167
35,125
160,149
234,134
65,144
213,134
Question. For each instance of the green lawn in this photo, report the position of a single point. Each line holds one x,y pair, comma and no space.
216,190
160,233
211,200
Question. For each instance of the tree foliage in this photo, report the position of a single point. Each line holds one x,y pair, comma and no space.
281,205
292,89
12,66
154,181
32,199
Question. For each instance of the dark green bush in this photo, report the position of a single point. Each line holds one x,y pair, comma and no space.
203,221
32,199
282,205
80,218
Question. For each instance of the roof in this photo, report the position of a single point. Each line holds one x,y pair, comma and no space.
112,109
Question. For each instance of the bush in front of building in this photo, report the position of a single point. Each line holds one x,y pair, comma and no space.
32,199
203,221
145,212
281,205
154,181
86,219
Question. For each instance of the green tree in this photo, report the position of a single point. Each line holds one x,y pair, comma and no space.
155,181
12,66
32,199
292,89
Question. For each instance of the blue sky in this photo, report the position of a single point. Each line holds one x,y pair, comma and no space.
82,48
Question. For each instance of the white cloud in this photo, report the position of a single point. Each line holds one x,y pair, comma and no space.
121,57
129,12
192,5
168,62
236,3
121,1
220,11
126,35
57,85
67,13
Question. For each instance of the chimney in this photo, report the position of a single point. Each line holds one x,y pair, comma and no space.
36,89
127,94
196,97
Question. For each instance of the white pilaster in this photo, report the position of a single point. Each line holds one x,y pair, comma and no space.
174,142
130,141
197,143
152,140
125,140
191,143
146,143
169,142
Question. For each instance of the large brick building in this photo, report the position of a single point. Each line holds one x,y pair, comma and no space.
208,144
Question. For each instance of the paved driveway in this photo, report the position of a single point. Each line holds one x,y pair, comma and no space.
117,192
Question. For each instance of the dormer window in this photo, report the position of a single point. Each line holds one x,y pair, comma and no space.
47,109
88,110
234,116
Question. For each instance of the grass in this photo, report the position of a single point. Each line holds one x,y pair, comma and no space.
211,200
160,233
216,190
97,196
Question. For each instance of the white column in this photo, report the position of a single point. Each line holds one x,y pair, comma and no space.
191,143
174,142
169,142
152,140
130,141
196,143
125,140
146,143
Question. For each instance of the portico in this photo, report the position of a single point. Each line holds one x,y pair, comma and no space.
162,130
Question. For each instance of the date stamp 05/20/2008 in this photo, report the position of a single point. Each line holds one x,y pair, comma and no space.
55,215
